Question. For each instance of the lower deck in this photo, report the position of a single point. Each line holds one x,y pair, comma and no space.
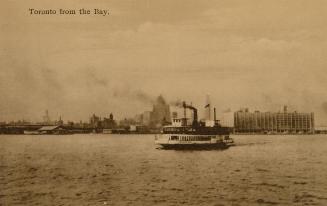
185,139
210,146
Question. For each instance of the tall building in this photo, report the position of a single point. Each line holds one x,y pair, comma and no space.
159,116
279,122
139,118
109,123
95,121
161,112
46,117
227,118
146,118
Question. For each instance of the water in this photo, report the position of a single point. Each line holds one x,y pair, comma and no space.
129,170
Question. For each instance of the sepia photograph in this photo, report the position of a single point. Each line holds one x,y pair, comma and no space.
163,102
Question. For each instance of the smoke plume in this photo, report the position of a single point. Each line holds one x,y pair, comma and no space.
176,103
134,95
324,107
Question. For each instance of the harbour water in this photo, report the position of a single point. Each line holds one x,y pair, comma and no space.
129,170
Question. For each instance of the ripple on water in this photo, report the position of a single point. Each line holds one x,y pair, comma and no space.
309,198
271,185
267,202
118,170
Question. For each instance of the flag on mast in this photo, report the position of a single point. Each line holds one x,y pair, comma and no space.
208,108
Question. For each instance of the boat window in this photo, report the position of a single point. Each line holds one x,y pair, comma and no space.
174,137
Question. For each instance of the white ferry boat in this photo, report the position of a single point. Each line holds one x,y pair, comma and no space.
201,135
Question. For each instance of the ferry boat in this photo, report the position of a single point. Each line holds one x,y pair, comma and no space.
198,135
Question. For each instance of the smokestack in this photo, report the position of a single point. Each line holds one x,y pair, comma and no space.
195,113
184,112
184,122
214,114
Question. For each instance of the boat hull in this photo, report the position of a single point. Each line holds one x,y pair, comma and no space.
209,146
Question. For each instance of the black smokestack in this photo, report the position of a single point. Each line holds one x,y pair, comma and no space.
214,114
195,113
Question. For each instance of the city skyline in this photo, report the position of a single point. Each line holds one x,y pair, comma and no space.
177,111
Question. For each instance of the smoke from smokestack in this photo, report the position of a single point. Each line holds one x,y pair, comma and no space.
134,95
324,107
195,113
188,106
176,103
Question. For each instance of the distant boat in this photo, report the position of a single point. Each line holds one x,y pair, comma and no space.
179,135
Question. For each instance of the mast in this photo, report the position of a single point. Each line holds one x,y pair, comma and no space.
208,108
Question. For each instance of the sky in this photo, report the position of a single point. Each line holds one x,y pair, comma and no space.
259,54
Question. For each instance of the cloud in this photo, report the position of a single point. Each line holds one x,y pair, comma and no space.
242,53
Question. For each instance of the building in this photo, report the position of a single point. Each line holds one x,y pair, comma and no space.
159,116
146,118
52,130
46,118
138,129
126,122
109,123
268,122
139,118
59,122
95,121
227,119
321,130
160,113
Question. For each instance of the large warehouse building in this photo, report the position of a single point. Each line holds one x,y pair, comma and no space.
267,122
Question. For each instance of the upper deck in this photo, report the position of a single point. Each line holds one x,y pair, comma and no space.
199,130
